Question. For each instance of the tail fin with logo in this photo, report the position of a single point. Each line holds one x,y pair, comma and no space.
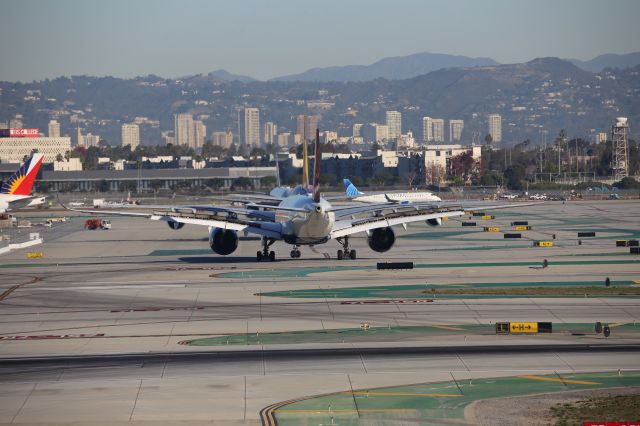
351,189
316,169
21,182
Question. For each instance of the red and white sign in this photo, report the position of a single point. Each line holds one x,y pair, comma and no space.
19,133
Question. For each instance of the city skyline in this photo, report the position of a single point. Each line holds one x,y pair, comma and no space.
243,43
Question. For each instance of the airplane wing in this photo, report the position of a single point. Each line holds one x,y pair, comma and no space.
207,216
368,217
384,219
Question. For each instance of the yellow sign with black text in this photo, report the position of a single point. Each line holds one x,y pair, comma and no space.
523,327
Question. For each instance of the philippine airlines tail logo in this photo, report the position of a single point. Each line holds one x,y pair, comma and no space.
21,182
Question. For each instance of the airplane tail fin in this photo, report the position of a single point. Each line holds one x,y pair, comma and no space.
21,182
316,169
351,189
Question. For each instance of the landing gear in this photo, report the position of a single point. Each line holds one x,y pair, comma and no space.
265,254
295,253
346,253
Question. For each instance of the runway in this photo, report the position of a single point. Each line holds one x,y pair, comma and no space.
101,317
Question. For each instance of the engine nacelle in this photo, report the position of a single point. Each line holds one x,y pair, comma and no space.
223,241
381,239
175,225
437,221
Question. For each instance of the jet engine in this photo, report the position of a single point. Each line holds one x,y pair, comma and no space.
223,241
381,239
175,225
437,221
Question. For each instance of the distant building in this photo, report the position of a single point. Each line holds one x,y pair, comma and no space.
250,127
54,129
270,132
79,138
427,129
455,130
13,149
284,139
167,137
357,130
405,141
438,129
375,132
91,140
495,127
222,139
601,137
330,136
306,126
394,123
131,135
199,134
183,130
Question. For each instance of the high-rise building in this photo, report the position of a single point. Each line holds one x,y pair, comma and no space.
270,132
222,139
495,127
183,130
167,137
284,139
455,130
357,130
90,140
394,122
54,129
131,135
375,132
306,126
79,138
438,129
427,129
250,127
199,134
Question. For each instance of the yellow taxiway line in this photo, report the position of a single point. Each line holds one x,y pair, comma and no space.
553,379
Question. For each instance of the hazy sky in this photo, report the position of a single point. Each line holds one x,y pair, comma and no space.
265,39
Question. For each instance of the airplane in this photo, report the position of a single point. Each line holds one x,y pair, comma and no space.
391,197
15,193
302,218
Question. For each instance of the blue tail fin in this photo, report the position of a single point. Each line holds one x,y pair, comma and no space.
351,189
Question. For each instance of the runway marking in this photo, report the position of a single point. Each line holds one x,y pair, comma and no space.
372,410
554,379
113,287
444,327
402,394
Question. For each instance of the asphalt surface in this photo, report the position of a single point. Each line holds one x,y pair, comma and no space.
101,316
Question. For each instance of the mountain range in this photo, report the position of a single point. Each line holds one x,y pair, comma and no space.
403,67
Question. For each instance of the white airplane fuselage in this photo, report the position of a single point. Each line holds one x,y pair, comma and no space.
305,228
398,197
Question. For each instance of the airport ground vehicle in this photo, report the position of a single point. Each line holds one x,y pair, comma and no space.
97,223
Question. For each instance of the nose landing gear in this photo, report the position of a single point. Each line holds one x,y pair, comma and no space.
295,253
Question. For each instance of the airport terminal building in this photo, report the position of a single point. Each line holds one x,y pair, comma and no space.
152,179
15,144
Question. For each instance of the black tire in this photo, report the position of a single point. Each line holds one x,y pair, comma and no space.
352,254
272,256
340,255
293,254
259,256
298,253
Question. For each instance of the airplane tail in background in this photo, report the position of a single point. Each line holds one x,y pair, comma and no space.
316,169
21,182
351,189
